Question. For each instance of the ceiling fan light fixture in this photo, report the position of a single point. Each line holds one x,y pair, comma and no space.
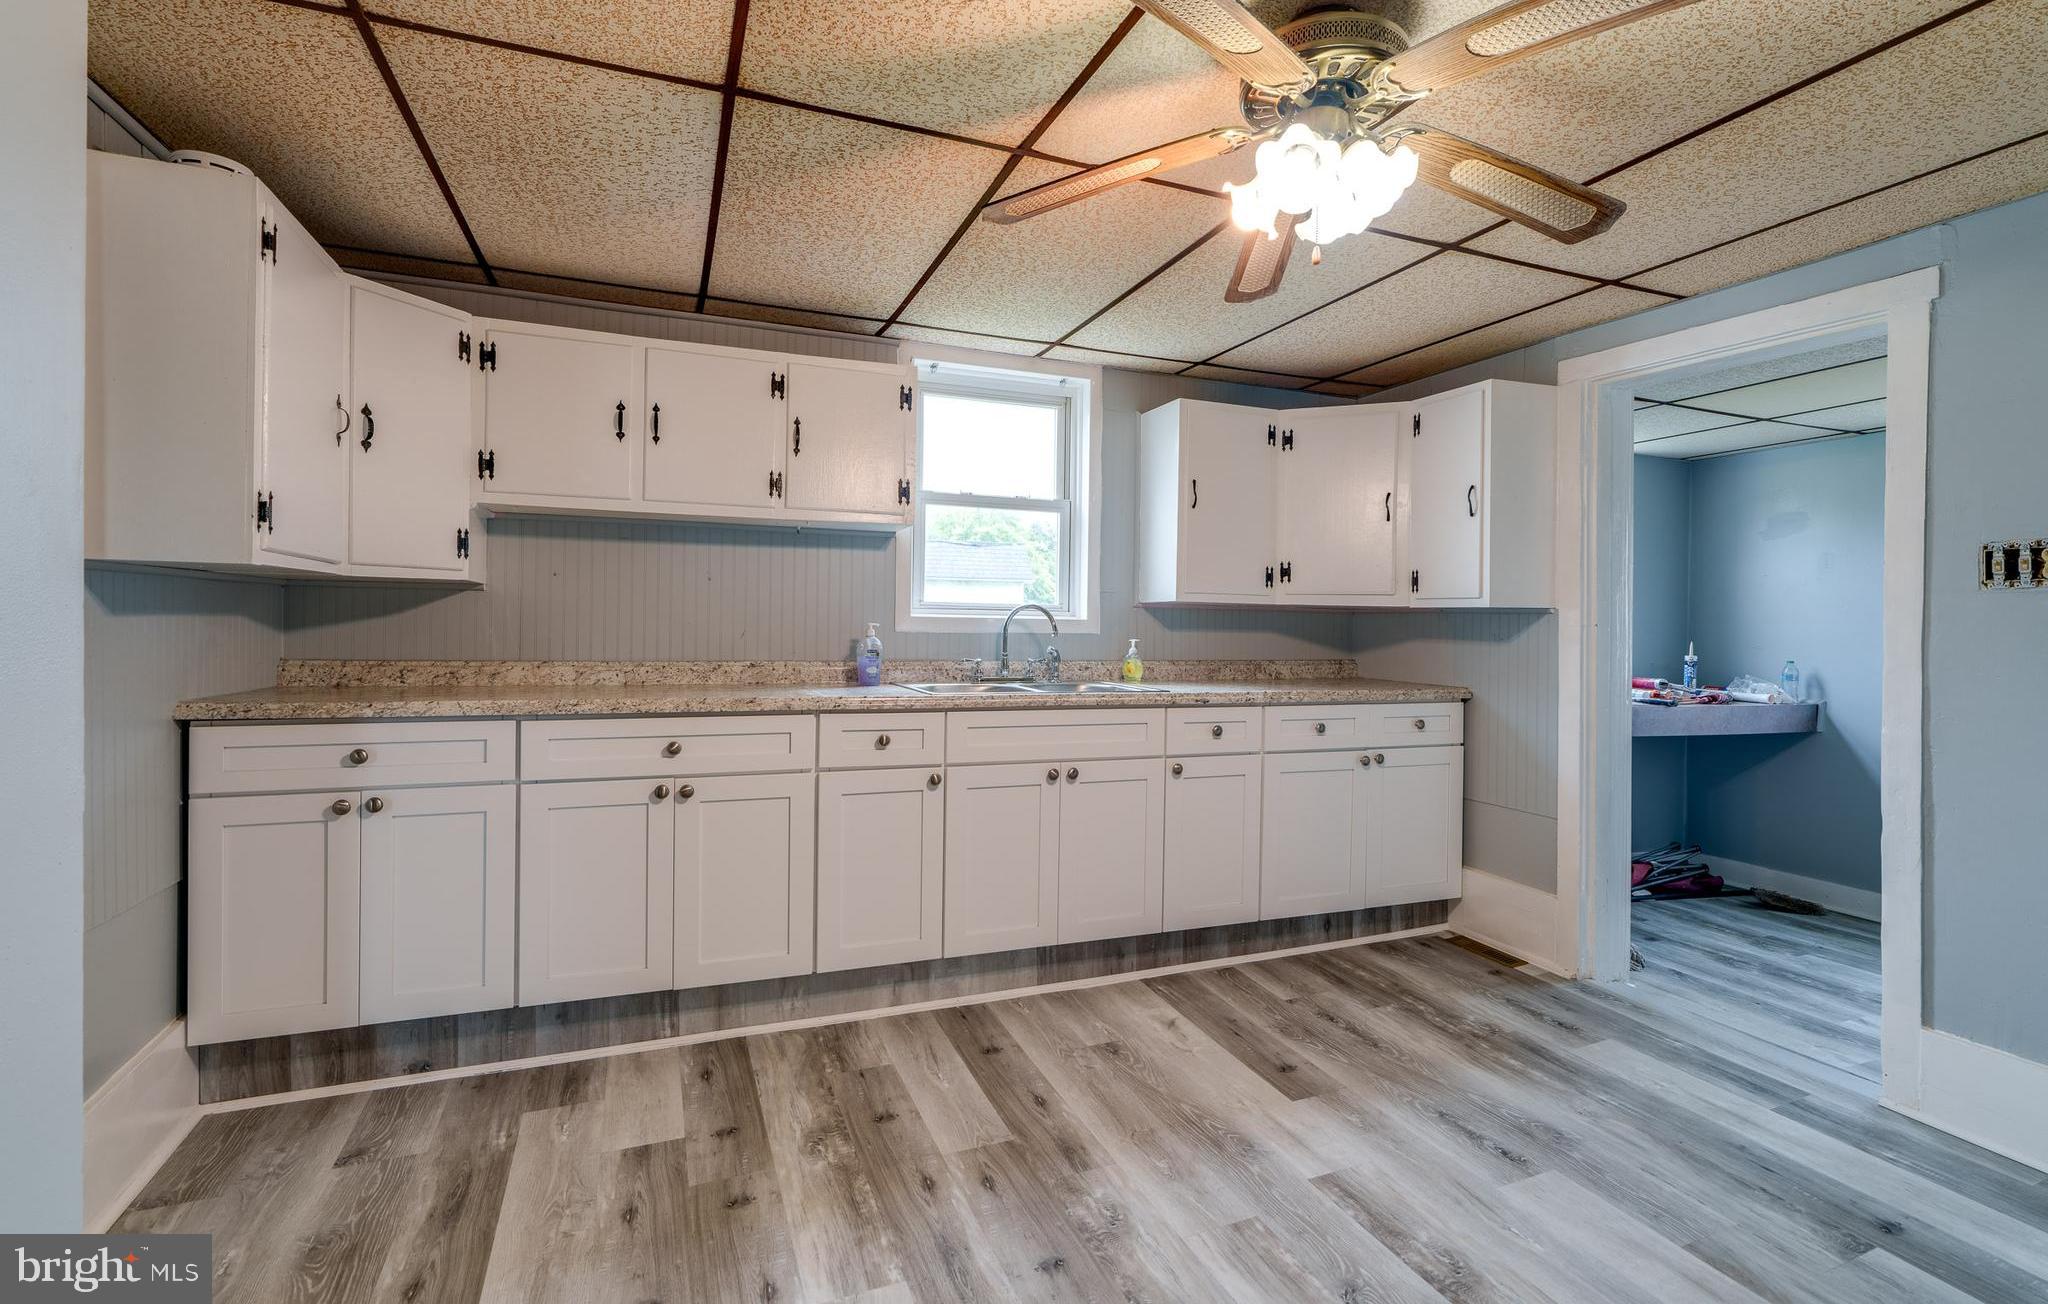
1294,169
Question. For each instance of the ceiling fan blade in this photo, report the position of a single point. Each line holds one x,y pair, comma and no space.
1521,192
1261,263
1117,172
1241,43
1508,32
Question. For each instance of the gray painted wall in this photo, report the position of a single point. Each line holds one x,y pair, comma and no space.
1987,899
42,768
1663,574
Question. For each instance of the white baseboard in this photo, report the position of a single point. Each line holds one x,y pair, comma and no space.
1511,917
1983,1095
134,1121
1853,901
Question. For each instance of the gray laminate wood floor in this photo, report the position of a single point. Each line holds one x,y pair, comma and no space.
1409,1121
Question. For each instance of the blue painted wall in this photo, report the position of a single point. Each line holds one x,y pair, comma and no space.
1663,571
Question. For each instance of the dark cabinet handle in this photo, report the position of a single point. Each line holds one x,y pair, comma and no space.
1471,503
657,423
619,421
1390,504
796,427
369,427
1215,731
346,420
1176,769
1194,494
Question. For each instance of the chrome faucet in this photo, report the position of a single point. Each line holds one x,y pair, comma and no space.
1049,668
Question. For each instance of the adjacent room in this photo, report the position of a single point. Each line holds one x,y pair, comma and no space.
904,650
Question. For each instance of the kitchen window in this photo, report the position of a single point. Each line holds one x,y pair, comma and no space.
1004,473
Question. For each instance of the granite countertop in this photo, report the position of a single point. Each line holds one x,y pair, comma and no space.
430,690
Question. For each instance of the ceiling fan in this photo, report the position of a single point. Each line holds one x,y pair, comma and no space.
1318,99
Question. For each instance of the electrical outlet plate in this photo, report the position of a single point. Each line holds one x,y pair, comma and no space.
2013,564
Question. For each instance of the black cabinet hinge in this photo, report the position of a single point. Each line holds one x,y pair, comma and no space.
1287,441
462,543
1416,429
1287,572
1269,577
487,465
462,345
266,243
903,491
778,385
1272,434
775,484
903,397
487,356
266,512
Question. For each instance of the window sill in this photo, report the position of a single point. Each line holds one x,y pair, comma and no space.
976,623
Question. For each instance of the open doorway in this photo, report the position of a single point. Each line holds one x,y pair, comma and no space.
1756,638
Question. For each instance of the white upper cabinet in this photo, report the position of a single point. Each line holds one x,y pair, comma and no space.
1479,496
561,415
305,457
1336,505
849,439
715,420
408,435
1205,508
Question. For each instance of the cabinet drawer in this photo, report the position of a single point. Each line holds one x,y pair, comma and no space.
303,757
865,741
651,747
1321,728
973,737
1200,730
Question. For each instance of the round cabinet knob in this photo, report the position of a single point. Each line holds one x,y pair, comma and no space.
343,806
1365,760
881,741
1379,758
360,756
1176,769
373,805
1321,727
661,792
1422,724
685,792
1052,775
1215,731
932,782
1073,773
673,749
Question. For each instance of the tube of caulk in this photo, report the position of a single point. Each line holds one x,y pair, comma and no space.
1692,670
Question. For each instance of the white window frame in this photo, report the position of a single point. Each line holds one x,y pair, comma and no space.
1076,391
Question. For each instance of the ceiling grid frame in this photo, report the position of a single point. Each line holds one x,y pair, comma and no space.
735,47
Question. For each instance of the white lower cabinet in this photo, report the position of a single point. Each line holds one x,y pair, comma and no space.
1112,820
1314,834
274,886
596,889
881,867
743,878
1002,857
1212,841
1415,825
440,869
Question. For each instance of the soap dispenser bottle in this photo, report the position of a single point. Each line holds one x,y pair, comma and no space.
868,665
1134,667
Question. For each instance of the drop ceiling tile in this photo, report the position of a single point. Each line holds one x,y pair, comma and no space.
1733,439
1182,313
1239,376
630,295
964,339
1996,178
373,262
1043,277
1127,361
1834,140
1595,103
1660,423
288,92
990,71
834,215
1342,389
1576,313
1422,306
1693,384
1823,386
563,169
1867,415
768,312
685,40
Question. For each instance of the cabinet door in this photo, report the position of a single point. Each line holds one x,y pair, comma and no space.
1447,495
1415,826
714,427
1337,504
1212,841
881,861
408,440
439,869
275,886
1226,495
744,880
1002,857
848,439
1112,821
596,890
305,460
1313,835
552,418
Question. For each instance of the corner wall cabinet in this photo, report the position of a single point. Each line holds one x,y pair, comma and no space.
355,873
1443,502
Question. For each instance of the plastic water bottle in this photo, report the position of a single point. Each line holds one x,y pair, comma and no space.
868,665
1788,681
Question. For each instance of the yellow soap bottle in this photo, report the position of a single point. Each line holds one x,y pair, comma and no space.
1134,668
